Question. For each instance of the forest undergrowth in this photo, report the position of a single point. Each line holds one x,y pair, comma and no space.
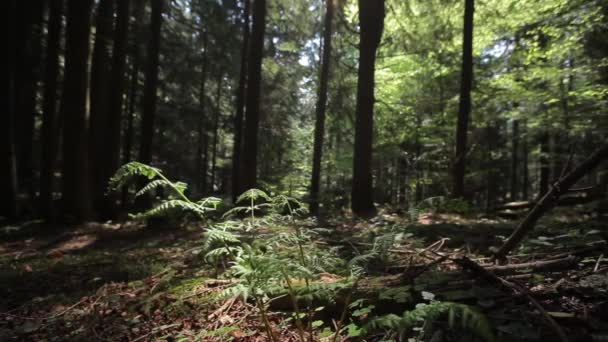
391,278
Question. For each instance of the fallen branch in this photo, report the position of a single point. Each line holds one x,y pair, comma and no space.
468,264
549,200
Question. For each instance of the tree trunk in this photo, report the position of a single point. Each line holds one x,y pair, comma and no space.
545,170
240,106
320,110
216,127
99,95
29,35
111,154
550,199
151,83
526,175
50,122
371,21
8,163
254,79
515,160
464,107
138,13
201,154
74,111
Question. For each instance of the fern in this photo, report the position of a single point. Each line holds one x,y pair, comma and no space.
127,172
471,319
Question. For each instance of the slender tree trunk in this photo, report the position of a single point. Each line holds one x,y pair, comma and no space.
254,80
8,162
545,170
202,146
216,127
138,13
99,95
240,105
320,110
74,111
515,160
111,154
151,83
49,110
525,152
464,108
30,16
371,21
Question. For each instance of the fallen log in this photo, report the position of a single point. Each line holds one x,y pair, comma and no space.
549,200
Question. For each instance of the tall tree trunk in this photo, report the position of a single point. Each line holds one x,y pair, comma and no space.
254,79
49,109
74,111
202,146
320,110
30,16
371,21
240,105
515,160
216,126
464,107
543,183
138,13
151,83
99,95
525,152
111,154
8,162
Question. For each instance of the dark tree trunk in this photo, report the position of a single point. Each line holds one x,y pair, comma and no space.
151,83
50,131
320,110
240,106
464,107
127,149
216,126
111,154
8,163
201,154
515,160
371,21
545,170
29,35
526,175
254,79
74,111
99,94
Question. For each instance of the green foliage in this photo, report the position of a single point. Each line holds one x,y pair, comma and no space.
176,200
470,319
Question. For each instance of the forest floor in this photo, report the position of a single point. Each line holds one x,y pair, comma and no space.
129,282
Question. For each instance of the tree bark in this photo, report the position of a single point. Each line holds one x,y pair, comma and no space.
99,95
111,154
545,170
320,110
550,199
515,160
216,126
464,107
74,112
151,83
240,105
371,21
525,152
50,121
29,35
202,148
8,162
138,13
252,111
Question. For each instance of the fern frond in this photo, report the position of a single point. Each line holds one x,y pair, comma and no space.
253,194
130,170
179,187
171,205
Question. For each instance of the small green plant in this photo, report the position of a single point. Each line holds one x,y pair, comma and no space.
176,199
424,314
